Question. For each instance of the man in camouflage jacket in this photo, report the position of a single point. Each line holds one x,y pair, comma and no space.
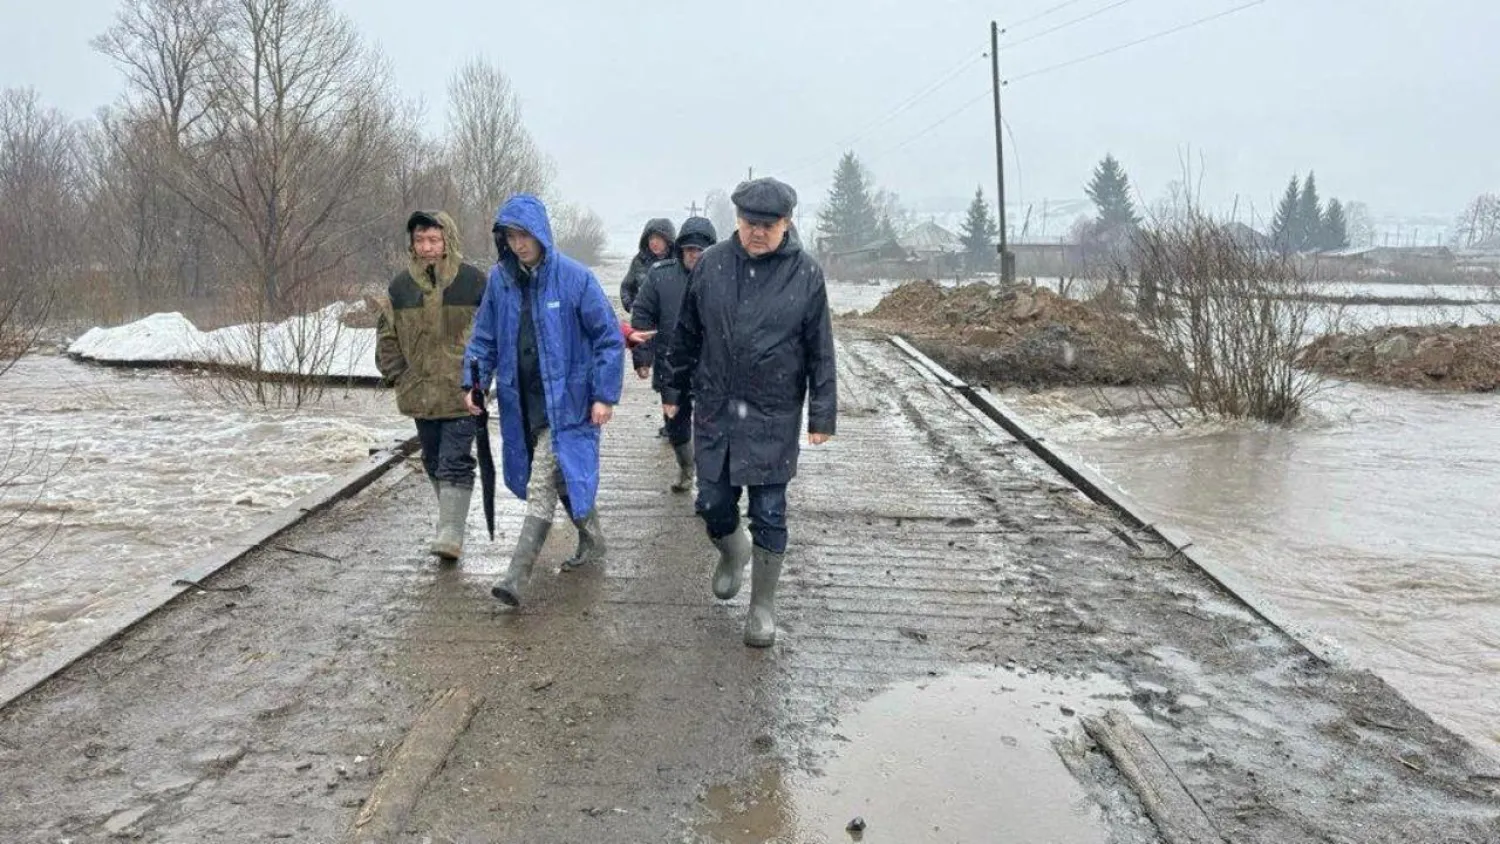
421,335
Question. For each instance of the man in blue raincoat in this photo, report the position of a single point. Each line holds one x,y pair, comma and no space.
547,337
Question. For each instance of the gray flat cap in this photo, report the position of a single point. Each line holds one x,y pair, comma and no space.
764,200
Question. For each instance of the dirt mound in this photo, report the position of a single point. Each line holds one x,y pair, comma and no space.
1423,357
1020,335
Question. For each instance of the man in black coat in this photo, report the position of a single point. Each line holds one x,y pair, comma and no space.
656,308
754,341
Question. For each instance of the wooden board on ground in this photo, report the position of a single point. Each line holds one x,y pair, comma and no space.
416,761
1178,816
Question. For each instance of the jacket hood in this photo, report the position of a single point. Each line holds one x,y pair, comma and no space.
697,229
447,268
527,213
661,226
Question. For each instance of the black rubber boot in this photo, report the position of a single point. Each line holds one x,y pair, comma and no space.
684,455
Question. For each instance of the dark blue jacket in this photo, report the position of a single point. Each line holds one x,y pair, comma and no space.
754,341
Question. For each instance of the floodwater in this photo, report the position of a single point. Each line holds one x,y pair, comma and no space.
112,480
959,758
1373,522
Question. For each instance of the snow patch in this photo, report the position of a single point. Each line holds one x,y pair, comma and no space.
311,344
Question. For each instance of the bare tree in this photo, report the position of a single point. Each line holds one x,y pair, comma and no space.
491,154
144,231
580,234
284,157
38,216
1480,222
167,51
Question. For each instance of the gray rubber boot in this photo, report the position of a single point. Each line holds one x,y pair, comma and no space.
453,518
591,546
734,553
760,625
684,454
528,548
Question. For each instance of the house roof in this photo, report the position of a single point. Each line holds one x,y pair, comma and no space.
930,237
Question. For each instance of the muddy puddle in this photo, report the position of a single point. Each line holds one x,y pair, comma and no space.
961,758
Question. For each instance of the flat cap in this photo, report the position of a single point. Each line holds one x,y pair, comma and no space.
764,200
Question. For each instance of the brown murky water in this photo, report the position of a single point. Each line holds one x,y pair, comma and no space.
959,758
1376,523
112,480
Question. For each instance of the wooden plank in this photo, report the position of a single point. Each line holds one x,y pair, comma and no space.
417,760
1178,817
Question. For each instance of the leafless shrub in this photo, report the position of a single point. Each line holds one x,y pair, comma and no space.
580,234
1229,316
274,364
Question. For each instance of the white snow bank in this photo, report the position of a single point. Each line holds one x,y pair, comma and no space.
311,344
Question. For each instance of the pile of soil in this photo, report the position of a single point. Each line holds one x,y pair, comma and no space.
1021,336
1445,357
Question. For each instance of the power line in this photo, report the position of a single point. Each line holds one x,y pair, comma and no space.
1044,33
1042,14
1164,33
956,112
900,108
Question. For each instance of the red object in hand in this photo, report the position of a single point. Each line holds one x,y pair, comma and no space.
633,337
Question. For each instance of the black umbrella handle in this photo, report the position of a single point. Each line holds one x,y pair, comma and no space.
475,391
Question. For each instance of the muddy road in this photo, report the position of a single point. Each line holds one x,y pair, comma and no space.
950,611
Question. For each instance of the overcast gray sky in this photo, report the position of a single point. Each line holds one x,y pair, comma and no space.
645,106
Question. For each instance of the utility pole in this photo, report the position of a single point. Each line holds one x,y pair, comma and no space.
750,174
693,209
1007,260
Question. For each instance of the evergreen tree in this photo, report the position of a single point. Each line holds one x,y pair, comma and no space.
1284,224
980,234
1110,191
848,217
1335,227
1309,220
886,230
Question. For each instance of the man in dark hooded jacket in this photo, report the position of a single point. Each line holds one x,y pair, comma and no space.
420,334
548,338
753,341
656,310
655,245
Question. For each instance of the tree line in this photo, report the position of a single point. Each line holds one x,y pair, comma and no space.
259,156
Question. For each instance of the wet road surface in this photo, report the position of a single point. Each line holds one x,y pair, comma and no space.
949,610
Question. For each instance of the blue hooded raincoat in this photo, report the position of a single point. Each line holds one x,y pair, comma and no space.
579,343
